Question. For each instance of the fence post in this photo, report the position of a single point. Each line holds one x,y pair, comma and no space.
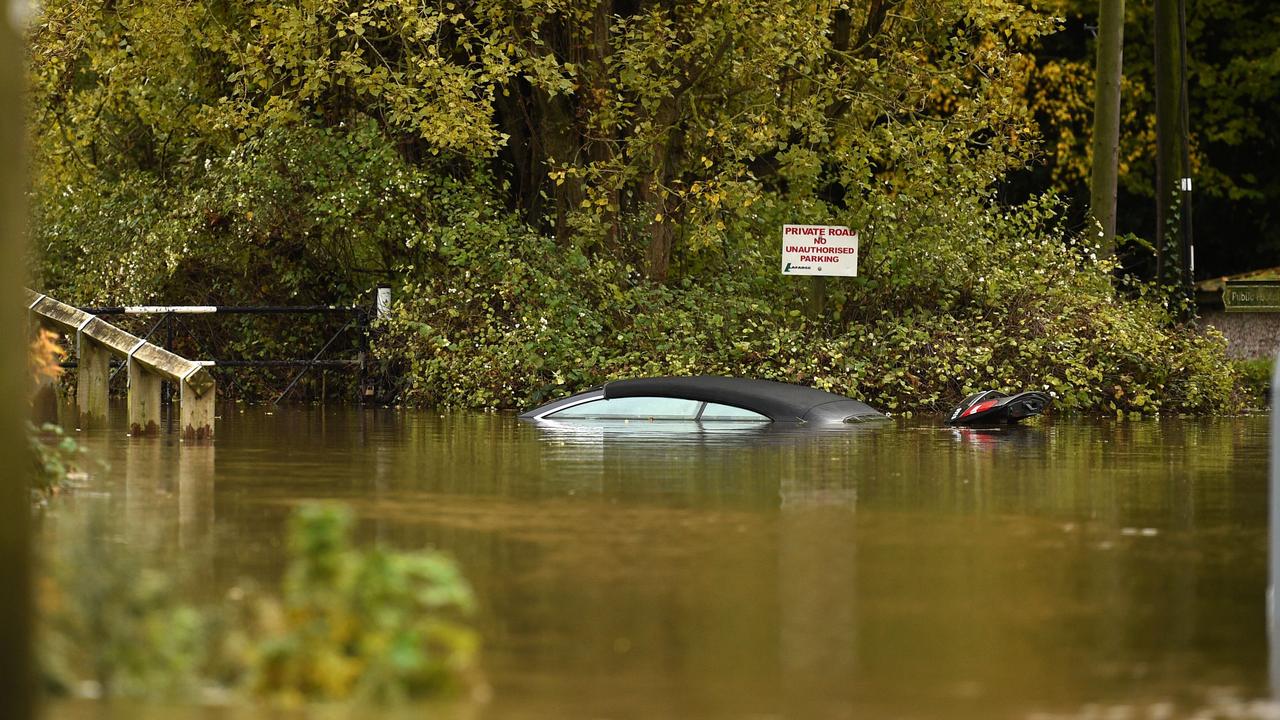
196,410
93,364
144,399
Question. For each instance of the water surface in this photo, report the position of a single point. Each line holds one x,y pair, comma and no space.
1071,569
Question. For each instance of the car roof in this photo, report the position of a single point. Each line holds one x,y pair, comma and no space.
780,402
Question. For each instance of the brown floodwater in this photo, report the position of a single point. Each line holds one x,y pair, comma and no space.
1072,569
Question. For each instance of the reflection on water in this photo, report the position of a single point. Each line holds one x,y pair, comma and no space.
892,570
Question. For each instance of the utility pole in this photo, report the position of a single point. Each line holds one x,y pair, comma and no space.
1106,122
1173,173
17,675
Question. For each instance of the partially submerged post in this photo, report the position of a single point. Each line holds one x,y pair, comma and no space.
148,365
144,399
93,362
195,405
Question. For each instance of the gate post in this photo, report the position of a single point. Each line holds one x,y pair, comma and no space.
144,399
93,363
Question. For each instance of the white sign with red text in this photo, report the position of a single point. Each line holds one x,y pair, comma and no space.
819,250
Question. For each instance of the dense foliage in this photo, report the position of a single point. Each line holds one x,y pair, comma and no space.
1234,112
971,299
646,129
570,191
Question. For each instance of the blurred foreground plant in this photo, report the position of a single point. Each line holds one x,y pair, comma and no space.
348,625
351,624
53,455
113,627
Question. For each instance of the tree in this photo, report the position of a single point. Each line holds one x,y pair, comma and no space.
1233,108
646,129
1173,153
1106,121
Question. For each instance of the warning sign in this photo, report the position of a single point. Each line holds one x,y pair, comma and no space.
819,250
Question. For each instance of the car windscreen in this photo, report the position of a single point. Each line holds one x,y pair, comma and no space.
656,408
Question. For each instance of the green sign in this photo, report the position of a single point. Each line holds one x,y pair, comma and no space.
1251,296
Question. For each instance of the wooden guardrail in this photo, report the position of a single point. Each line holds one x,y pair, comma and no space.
148,366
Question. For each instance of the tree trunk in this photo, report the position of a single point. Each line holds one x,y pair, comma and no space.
663,223
560,144
662,232
1106,122
601,149
1184,116
512,116
1169,131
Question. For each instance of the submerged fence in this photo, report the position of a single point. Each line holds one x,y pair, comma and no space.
148,366
153,370
357,318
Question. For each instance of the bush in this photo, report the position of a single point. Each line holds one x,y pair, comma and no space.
956,296
1255,379
295,216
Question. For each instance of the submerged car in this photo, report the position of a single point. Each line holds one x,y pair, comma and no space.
706,399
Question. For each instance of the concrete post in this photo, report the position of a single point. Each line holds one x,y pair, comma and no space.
196,412
94,374
144,400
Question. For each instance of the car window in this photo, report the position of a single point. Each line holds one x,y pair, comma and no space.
716,411
647,408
